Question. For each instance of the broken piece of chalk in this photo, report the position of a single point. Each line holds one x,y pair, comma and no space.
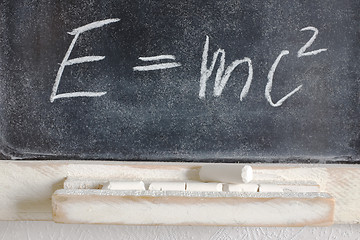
118,185
204,187
241,187
289,187
167,186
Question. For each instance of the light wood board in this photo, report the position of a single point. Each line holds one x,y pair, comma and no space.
27,186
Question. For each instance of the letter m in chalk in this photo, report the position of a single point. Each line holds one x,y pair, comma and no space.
66,62
222,74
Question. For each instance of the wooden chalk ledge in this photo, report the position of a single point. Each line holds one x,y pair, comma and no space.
192,208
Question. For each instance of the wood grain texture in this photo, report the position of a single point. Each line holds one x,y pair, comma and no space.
54,231
27,186
193,208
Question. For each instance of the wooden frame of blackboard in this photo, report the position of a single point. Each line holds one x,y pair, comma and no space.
28,185
325,123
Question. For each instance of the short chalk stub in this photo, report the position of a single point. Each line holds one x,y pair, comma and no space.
241,187
167,186
125,186
266,188
247,174
204,187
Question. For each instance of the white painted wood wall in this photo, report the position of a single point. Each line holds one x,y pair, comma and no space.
52,231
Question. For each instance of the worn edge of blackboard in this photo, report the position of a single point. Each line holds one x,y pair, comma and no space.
240,159
10,153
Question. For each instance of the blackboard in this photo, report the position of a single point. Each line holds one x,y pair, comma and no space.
137,80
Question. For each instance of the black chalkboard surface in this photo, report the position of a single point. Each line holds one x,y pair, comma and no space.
192,80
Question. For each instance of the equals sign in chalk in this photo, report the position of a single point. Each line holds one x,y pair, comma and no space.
157,66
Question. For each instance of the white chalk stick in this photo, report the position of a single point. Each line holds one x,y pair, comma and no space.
226,173
167,186
118,185
288,188
241,187
204,187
